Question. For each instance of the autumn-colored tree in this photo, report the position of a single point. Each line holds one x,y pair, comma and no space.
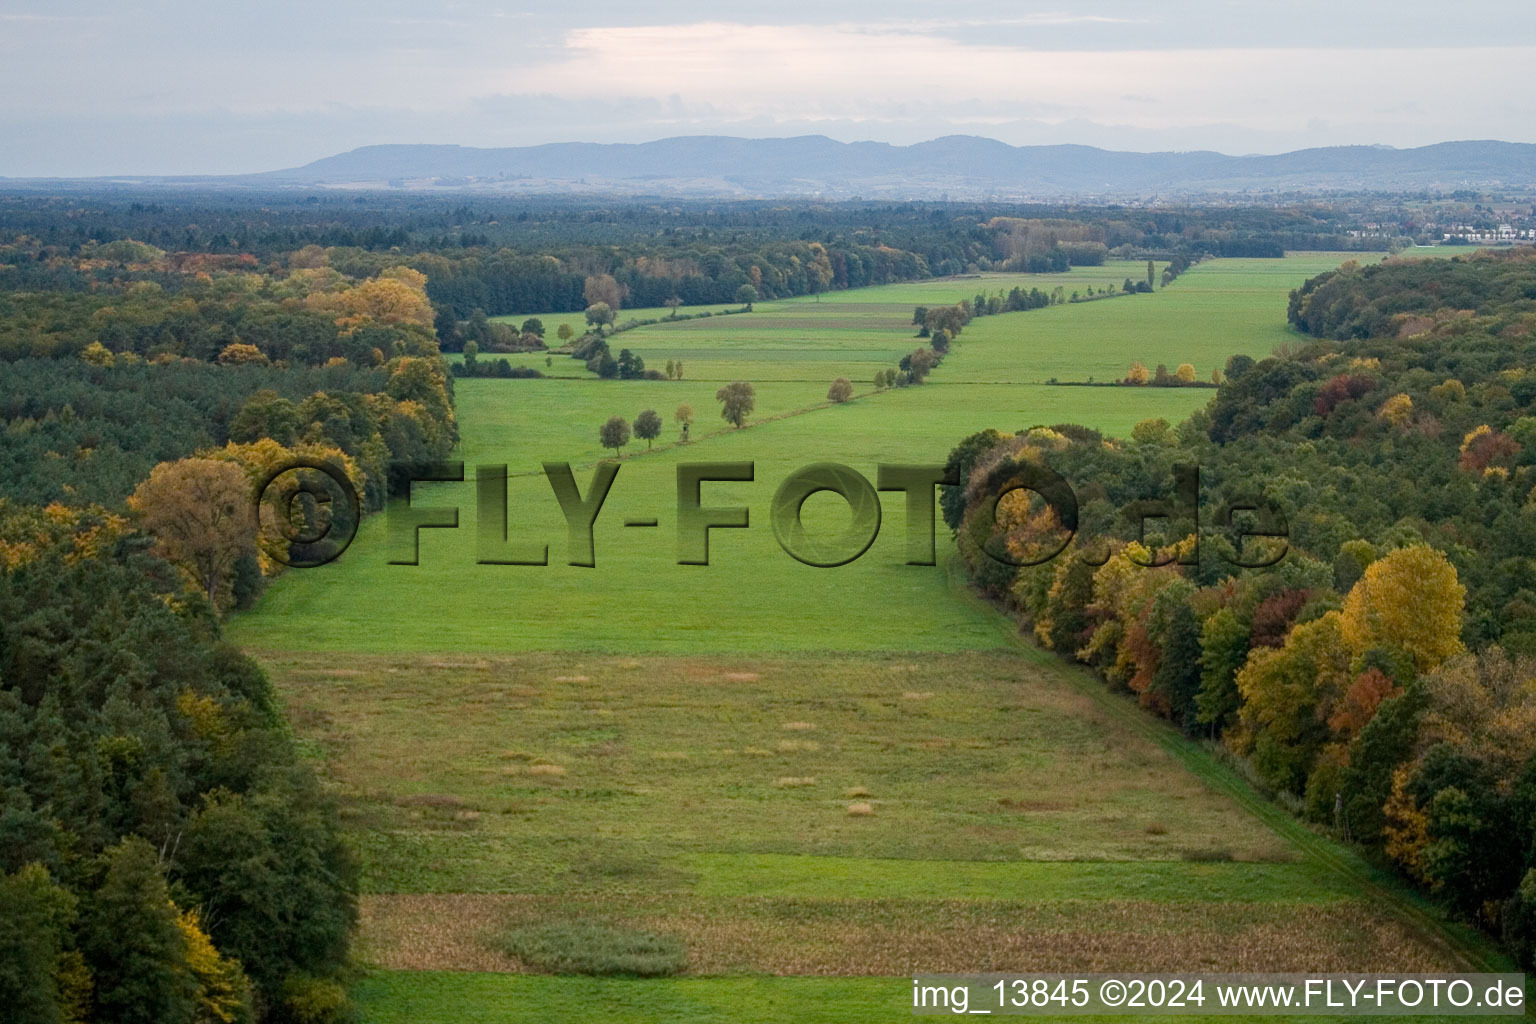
1397,410
1185,374
683,417
397,297
1406,825
1485,449
98,354
840,391
1484,705
1273,616
1064,623
1288,694
1359,703
423,381
223,991
1410,601
602,289
240,354
1448,391
1152,431
1137,374
199,512
737,400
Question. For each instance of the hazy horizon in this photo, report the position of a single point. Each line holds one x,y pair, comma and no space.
172,87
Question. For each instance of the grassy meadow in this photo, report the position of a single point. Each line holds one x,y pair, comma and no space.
753,596
809,783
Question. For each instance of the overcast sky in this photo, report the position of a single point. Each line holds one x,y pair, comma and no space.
176,86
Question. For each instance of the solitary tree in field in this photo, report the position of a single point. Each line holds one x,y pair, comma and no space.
648,426
615,433
565,333
672,303
840,391
737,400
1151,281
683,417
1185,373
1137,374
199,512
746,295
599,314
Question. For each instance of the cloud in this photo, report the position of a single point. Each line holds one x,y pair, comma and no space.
873,72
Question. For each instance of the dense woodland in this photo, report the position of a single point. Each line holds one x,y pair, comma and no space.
1381,675
165,855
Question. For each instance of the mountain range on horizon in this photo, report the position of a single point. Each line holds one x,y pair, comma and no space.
956,166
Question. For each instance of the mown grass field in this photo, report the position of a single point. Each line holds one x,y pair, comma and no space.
816,780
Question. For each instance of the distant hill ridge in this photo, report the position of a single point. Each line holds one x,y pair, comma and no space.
967,166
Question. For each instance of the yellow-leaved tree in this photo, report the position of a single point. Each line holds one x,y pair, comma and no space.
1409,600
199,512
223,993
1288,692
1397,410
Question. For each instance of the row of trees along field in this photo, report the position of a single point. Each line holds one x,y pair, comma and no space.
495,257
1380,677
165,856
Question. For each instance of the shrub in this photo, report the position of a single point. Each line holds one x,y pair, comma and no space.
310,1000
595,948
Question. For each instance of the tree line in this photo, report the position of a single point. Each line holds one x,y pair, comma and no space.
1380,677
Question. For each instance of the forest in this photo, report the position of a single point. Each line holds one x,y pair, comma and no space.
1373,668
165,853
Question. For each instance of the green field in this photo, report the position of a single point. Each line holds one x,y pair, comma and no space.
816,780
753,596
